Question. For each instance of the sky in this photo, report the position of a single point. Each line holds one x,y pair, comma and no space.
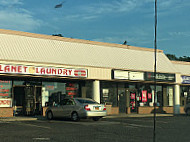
112,21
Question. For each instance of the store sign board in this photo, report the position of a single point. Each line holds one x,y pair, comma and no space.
185,79
5,102
165,77
129,75
41,71
136,76
119,74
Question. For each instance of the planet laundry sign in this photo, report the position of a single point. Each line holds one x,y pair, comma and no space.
36,70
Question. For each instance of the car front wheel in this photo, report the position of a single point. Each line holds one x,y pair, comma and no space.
49,115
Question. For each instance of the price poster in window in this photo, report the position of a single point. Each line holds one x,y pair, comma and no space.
132,95
5,89
144,96
149,95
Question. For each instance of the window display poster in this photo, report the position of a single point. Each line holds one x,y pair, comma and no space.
144,96
149,95
45,96
105,93
171,96
132,95
6,102
5,89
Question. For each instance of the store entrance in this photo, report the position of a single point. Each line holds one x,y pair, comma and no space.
122,100
27,100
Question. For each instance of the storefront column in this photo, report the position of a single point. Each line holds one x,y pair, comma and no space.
96,91
177,100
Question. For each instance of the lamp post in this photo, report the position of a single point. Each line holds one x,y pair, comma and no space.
155,66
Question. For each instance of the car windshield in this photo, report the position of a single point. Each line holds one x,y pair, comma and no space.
84,101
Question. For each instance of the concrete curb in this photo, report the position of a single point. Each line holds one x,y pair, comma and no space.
139,115
9,119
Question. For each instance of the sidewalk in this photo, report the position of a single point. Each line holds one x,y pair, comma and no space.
22,118
138,115
34,118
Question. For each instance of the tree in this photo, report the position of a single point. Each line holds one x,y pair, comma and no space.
173,57
60,35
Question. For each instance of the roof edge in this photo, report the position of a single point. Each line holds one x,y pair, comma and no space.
181,62
43,36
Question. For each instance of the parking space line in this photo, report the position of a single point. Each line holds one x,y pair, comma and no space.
42,139
32,125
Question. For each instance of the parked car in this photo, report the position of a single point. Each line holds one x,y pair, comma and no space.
77,108
187,109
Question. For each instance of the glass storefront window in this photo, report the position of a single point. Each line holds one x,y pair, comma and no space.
5,89
54,92
109,93
147,95
18,83
5,93
184,95
170,95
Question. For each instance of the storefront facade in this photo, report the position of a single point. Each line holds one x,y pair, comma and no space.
42,70
133,92
27,90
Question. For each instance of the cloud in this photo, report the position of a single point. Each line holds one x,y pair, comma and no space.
94,10
10,2
179,34
112,7
15,17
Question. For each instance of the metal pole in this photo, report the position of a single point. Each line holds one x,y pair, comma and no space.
155,65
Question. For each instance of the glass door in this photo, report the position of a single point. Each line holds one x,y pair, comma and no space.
38,100
29,108
122,100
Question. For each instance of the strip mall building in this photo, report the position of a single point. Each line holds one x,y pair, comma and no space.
36,70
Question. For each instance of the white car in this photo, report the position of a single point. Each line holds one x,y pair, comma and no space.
77,108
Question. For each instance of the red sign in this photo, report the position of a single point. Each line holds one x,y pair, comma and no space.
149,95
132,95
5,102
144,96
5,88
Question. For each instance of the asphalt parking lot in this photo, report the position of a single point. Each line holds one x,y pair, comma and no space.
110,129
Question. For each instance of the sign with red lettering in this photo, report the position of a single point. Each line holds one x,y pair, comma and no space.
144,96
35,70
5,88
132,95
149,95
5,102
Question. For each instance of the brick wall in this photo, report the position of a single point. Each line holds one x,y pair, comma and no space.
115,110
147,110
182,110
6,112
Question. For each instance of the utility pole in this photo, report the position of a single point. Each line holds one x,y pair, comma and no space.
155,66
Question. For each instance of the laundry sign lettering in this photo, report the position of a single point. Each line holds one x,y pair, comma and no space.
36,70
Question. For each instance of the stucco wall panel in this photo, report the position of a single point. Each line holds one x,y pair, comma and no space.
99,73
